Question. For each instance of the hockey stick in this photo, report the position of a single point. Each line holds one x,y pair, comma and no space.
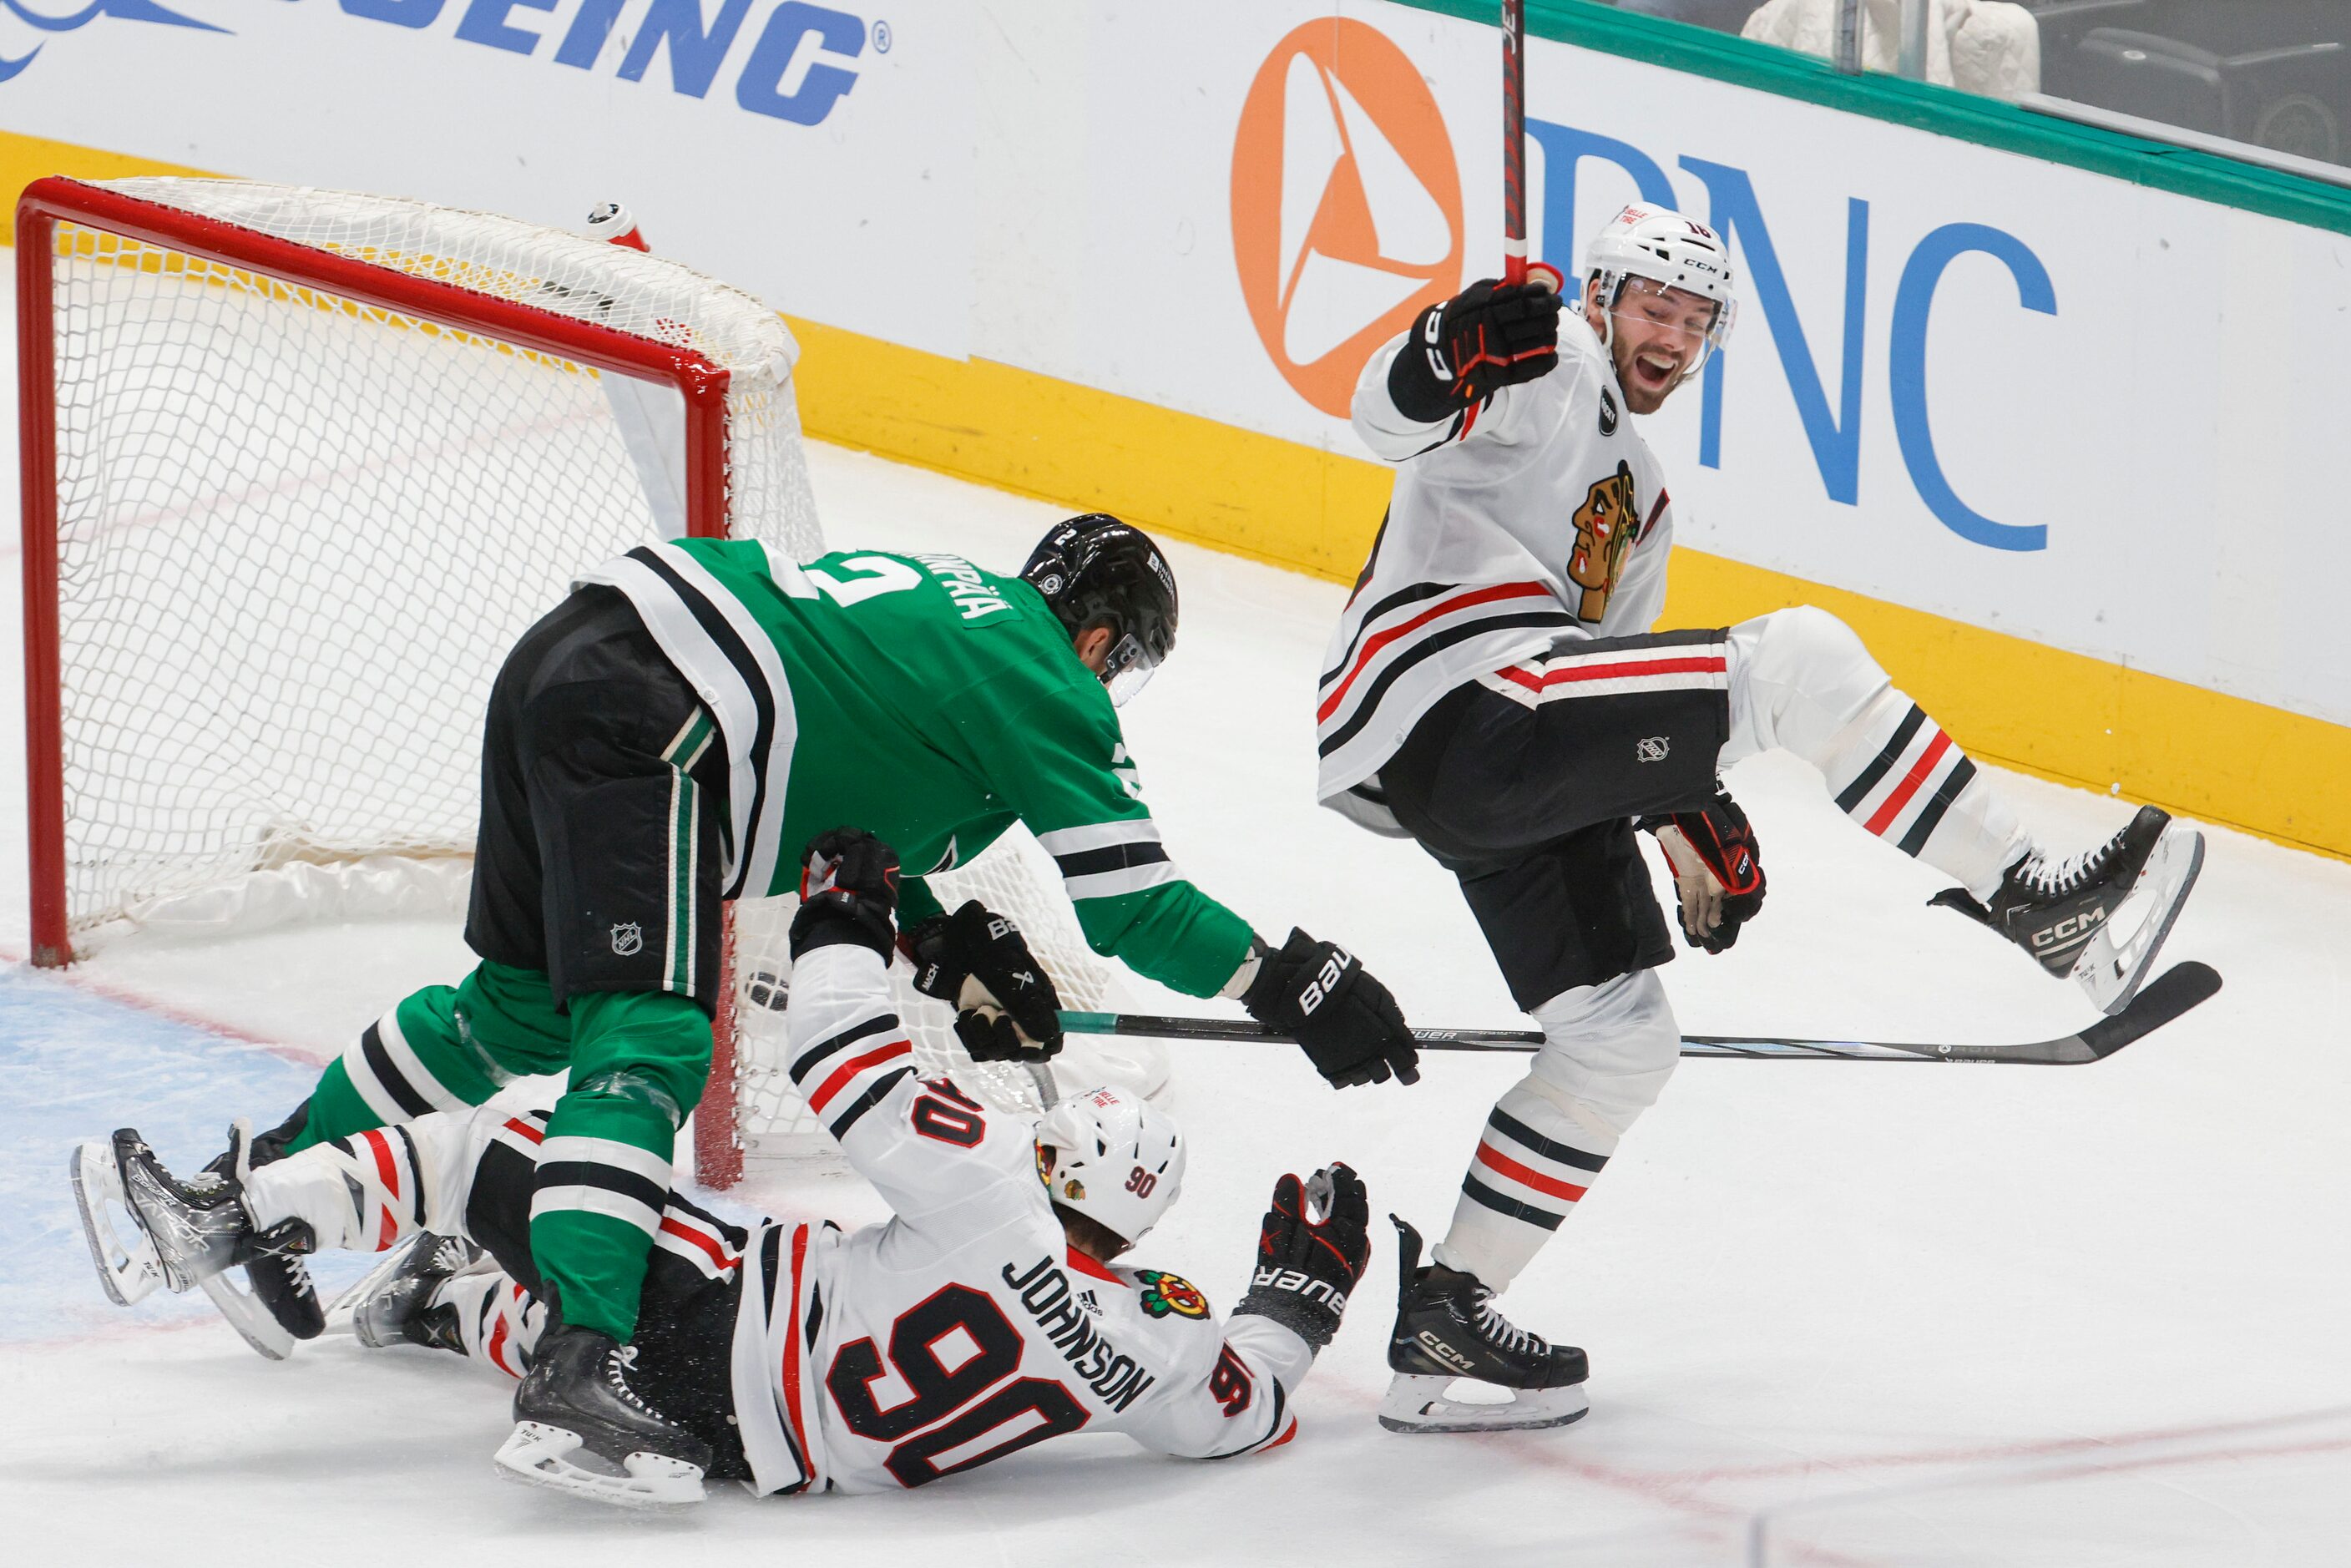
1514,141
2172,993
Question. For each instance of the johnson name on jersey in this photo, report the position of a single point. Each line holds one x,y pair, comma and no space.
966,1328
1536,515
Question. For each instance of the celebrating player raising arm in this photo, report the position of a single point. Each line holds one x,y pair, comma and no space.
985,1316
1494,692
691,709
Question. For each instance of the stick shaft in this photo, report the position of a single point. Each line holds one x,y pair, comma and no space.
1514,141
2174,992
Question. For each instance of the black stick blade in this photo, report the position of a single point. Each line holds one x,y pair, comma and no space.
2162,999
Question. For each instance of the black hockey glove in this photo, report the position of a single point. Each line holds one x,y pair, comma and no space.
1716,868
1319,995
977,962
849,892
1487,337
1306,1267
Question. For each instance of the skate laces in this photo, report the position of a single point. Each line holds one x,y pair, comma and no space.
617,1366
1501,1331
2055,879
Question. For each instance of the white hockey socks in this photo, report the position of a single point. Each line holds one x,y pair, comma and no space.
358,1194
1801,682
1607,1052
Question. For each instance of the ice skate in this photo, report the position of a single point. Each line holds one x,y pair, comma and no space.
575,1409
199,1229
2066,914
1446,1329
392,1304
125,1259
279,1282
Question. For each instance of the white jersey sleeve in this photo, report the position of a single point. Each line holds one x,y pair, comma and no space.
1536,515
1508,417
851,1056
1229,1394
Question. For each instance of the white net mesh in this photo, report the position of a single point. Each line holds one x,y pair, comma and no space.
297,533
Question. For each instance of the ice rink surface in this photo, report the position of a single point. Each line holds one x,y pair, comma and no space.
1838,1313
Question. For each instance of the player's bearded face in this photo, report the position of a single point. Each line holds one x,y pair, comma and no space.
1655,335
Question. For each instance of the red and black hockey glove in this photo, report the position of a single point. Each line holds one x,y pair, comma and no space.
1310,1253
1320,996
849,892
1712,855
1489,335
977,961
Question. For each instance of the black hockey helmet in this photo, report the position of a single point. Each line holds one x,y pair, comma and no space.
1096,570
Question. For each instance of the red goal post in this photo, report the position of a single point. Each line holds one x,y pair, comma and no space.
47,201
252,414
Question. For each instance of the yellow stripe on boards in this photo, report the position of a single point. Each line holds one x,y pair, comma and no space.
2023,704
24,159
2020,704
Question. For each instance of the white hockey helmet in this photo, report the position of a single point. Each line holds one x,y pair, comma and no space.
1667,247
1117,1159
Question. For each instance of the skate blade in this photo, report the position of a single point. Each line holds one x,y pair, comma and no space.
342,1312
246,1314
2112,971
126,1272
1418,1404
541,1455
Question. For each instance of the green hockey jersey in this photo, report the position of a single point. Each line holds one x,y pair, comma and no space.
931,704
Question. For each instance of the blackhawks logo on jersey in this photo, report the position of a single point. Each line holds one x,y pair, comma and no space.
1604,527
1165,1293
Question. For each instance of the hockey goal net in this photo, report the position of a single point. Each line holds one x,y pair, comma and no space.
298,467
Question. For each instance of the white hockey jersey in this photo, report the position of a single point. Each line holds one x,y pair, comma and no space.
965,1328
1536,513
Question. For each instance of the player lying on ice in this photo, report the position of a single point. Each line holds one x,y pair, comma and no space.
1494,692
651,744
984,1317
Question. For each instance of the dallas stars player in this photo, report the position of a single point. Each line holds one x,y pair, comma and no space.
670,737
987,1315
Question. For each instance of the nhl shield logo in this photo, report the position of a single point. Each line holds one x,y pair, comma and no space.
628,937
1652,749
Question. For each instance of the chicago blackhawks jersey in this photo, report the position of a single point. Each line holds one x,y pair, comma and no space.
932,704
1536,515
965,1328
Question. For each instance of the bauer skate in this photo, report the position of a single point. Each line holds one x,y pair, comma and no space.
2099,918
1446,1328
198,1229
279,1282
575,1405
392,1304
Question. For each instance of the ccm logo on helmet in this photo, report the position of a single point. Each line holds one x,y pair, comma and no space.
1325,980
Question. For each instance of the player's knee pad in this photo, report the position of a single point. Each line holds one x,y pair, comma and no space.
1802,681
1607,1051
